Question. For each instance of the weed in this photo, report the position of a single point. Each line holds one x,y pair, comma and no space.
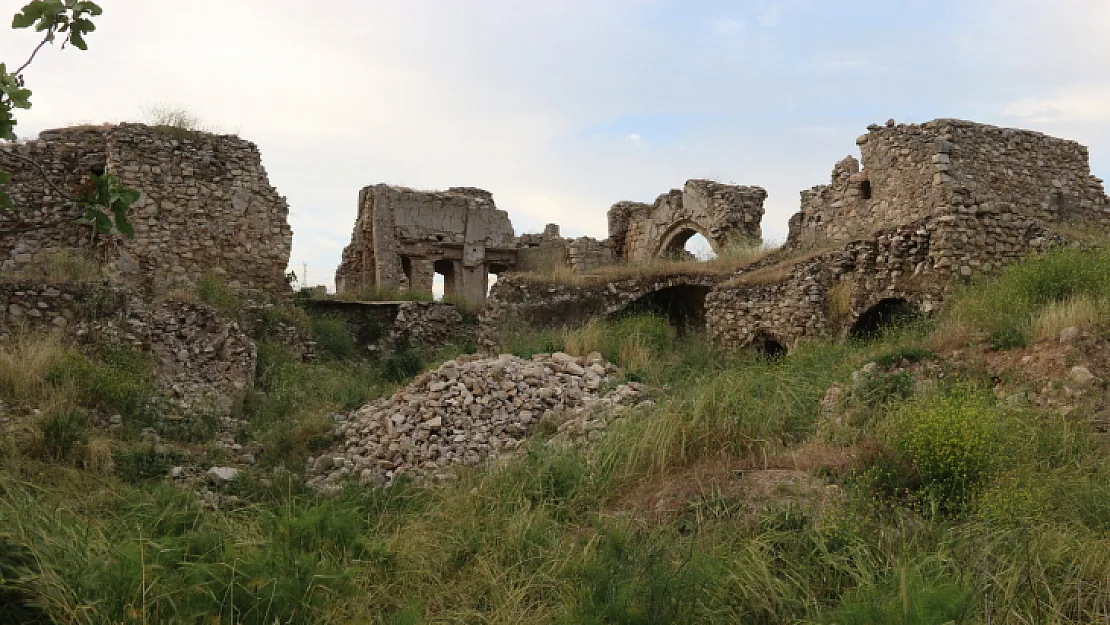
334,338
215,292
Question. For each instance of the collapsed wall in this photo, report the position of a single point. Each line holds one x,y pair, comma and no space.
203,362
403,237
206,206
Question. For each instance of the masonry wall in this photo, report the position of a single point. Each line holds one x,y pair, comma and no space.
400,234
521,303
915,262
206,206
204,362
946,166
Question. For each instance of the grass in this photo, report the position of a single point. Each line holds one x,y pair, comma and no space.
379,294
950,508
727,262
66,266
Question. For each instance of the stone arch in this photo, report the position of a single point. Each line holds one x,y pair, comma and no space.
683,305
765,344
886,313
672,242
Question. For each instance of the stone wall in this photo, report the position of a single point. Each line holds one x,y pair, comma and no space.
724,214
403,237
914,262
206,206
946,166
204,362
384,327
521,303
549,252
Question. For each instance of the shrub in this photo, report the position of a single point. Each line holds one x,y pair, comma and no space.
333,338
402,366
62,435
119,379
904,356
881,387
955,441
215,292
135,466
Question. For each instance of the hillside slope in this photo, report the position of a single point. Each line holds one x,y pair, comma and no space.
952,470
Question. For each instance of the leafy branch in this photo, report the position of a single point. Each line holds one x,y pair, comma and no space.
104,200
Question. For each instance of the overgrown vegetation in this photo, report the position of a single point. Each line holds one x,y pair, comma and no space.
949,506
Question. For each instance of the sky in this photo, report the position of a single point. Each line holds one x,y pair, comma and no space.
563,107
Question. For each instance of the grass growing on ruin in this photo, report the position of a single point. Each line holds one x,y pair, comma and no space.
946,506
727,261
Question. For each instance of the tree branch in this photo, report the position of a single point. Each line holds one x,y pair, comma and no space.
45,40
45,175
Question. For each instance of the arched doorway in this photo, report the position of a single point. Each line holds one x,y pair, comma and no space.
768,346
682,305
887,313
674,243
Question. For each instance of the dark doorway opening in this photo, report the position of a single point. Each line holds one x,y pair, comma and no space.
768,346
865,190
683,306
888,313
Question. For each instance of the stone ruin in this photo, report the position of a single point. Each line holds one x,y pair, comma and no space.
931,204
402,237
206,206
726,215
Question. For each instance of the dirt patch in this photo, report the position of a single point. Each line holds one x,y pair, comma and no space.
742,488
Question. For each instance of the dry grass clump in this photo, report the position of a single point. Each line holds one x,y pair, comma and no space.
840,300
64,266
25,360
1083,312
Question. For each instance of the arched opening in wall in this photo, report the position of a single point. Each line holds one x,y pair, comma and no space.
677,246
683,306
889,313
865,190
699,247
495,272
443,284
768,346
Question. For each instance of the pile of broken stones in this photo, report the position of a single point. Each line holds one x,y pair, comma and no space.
468,411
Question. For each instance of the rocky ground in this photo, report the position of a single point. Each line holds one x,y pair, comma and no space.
470,410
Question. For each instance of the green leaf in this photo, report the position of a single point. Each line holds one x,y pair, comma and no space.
77,41
5,177
6,202
30,14
91,8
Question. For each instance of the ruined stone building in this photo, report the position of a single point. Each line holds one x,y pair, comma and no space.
206,206
403,237
932,204
726,215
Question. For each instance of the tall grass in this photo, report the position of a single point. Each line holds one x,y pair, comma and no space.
558,534
1040,295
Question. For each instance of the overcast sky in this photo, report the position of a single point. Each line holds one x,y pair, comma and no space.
563,107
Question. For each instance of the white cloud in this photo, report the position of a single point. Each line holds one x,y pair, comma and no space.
1085,103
